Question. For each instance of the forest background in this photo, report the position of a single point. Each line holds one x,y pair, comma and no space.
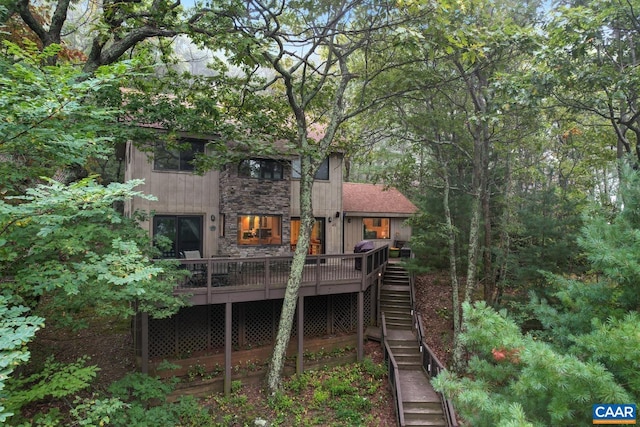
512,125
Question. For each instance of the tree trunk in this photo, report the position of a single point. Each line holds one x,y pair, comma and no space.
489,278
476,83
274,375
453,268
505,238
474,247
477,186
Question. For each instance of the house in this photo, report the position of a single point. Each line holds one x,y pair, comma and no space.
243,221
252,208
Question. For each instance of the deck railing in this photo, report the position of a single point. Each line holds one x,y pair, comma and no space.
222,274
432,366
393,373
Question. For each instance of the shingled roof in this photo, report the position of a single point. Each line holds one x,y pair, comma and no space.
373,198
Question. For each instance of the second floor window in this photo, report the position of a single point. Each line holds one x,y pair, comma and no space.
321,174
178,157
261,169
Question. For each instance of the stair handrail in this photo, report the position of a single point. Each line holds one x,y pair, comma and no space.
432,366
393,373
429,359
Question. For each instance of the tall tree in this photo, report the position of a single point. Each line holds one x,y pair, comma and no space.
307,51
590,65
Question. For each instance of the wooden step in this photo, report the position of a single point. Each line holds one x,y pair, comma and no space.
421,404
395,295
395,290
423,414
395,304
408,361
395,298
397,319
400,326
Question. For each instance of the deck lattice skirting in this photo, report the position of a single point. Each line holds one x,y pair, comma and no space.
199,329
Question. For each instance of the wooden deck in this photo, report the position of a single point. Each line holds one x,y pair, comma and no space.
221,280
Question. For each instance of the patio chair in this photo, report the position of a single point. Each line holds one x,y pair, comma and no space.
191,254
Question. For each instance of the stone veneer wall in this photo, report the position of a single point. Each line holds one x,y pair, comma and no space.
250,196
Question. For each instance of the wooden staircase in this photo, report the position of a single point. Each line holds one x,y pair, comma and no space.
421,405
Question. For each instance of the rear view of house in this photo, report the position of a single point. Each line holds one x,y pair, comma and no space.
236,229
252,207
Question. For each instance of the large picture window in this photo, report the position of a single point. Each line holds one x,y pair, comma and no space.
175,234
376,228
178,157
259,230
261,169
321,174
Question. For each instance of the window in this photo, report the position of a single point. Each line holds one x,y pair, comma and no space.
179,157
259,230
322,173
376,228
261,169
175,234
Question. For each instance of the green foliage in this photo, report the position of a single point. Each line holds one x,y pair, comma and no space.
346,390
616,345
48,125
96,412
376,370
144,403
61,239
544,238
513,378
16,330
612,245
68,241
140,388
56,380
569,307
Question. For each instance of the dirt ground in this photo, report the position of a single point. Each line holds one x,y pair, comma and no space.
109,344
434,303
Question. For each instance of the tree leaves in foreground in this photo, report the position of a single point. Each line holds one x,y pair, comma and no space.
516,379
62,243
67,243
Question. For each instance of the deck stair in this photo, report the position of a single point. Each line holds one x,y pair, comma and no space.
421,405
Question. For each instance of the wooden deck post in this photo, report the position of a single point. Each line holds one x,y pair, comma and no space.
360,326
300,361
228,318
144,343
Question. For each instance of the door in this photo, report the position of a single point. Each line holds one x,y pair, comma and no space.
174,234
317,244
